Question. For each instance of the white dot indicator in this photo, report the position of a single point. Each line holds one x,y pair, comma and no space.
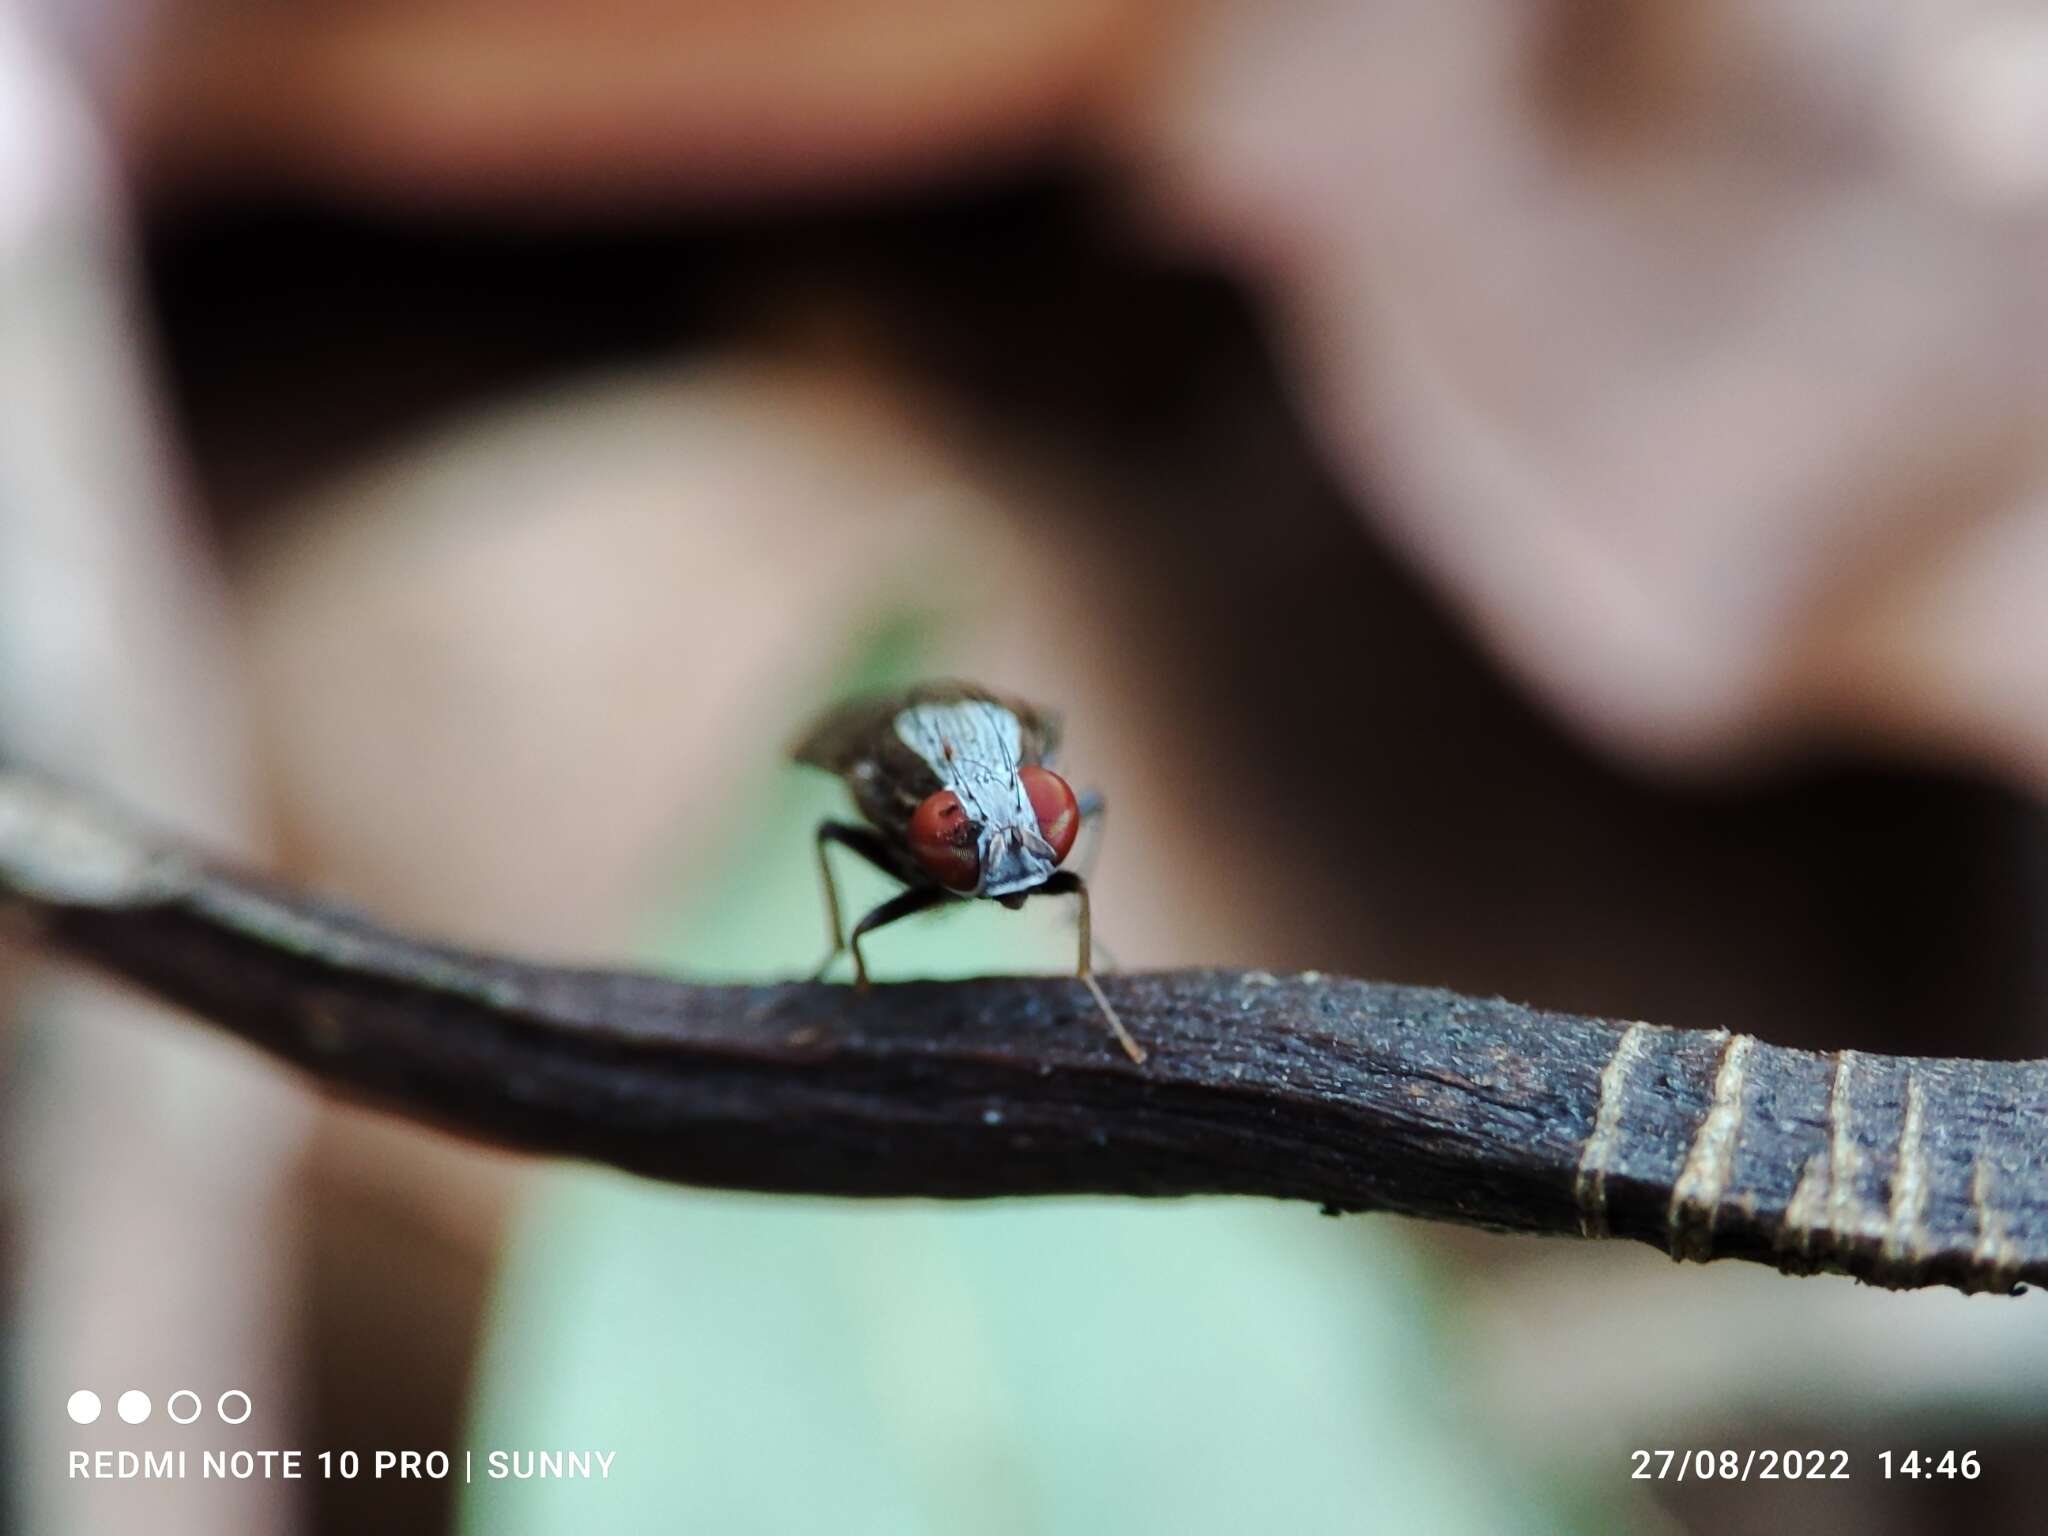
221,1407
133,1406
171,1406
84,1407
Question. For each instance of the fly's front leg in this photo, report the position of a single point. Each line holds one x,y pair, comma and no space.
1095,817
1067,883
869,845
902,904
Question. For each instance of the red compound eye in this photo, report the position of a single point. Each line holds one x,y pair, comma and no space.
1053,802
944,842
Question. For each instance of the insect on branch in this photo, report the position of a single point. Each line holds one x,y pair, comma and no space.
956,784
1905,1171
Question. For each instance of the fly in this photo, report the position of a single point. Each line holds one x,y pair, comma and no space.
960,801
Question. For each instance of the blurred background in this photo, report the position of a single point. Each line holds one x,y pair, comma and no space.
1549,500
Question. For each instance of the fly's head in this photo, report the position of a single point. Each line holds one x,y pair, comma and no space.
998,836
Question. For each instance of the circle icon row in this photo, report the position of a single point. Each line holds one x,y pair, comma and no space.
134,1406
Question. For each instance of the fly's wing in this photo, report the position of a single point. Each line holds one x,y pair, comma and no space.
847,736
857,741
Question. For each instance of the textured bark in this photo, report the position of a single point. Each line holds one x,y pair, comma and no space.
1905,1171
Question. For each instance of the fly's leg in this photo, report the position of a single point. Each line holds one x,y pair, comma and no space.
1067,883
1094,817
1094,814
869,845
902,904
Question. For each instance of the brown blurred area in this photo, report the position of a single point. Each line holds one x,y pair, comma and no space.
556,397
621,101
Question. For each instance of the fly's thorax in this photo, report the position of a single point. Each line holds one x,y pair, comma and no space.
1014,854
974,747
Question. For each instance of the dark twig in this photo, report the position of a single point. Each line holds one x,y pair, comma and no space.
1906,1171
